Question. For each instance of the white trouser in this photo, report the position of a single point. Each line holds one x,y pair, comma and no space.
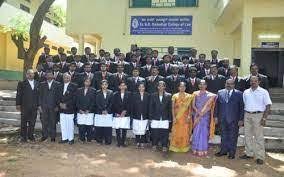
67,126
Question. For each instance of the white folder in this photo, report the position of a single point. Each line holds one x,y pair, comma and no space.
102,120
121,122
163,124
140,126
85,119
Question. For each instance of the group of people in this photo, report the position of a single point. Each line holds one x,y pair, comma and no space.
172,103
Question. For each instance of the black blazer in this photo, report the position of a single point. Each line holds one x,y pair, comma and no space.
151,86
40,77
115,80
86,102
82,76
161,110
163,72
140,107
172,85
132,85
59,77
184,70
64,67
84,59
240,83
70,59
26,97
98,77
192,88
42,59
119,105
215,85
103,104
144,72
74,77
68,98
222,71
49,98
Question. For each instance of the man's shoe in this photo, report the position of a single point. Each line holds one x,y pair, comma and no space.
245,157
43,139
71,142
231,157
259,161
32,139
52,140
23,140
220,154
63,142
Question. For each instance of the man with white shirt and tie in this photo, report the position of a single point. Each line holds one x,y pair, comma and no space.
134,81
192,81
165,68
173,80
86,74
146,70
215,81
240,83
27,103
67,109
153,80
48,105
257,108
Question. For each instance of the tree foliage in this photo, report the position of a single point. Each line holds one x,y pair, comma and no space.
57,15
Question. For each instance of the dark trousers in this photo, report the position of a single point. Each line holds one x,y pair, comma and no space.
48,121
160,136
120,136
140,139
229,137
85,131
104,134
28,119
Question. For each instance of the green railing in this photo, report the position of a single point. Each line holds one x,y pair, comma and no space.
162,3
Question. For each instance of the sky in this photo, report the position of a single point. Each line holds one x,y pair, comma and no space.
62,3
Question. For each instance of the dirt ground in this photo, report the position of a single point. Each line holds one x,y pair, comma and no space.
94,160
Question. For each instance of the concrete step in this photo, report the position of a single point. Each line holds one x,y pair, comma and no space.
270,142
7,103
275,123
269,131
8,108
11,115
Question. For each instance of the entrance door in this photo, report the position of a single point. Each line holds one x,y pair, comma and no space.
271,64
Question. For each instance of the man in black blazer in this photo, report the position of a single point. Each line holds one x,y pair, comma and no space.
155,60
224,70
192,81
48,105
165,68
153,80
134,81
146,70
85,58
215,82
173,80
72,72
160,114
86,74
121,107
118,77
39,75
71,57
64,66
58,76
67,109
43,56
103,106
205,70
254,72
103,74
240,83
27,104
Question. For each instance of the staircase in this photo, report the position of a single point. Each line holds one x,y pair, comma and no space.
277,95
273,131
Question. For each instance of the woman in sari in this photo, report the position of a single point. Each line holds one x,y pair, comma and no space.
203,121
181,131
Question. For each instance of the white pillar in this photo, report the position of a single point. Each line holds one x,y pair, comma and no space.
81,44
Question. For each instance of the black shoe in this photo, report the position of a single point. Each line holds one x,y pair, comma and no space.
52,140
123,145
231,157
259,161
245,157
71,142
32,139
220,154
43,139
89,140
63,142
23,140
118,145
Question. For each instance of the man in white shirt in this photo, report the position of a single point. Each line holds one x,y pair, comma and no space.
257,105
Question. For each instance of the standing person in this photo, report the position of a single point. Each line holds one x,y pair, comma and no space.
230,113
254,72
160,116
203,119
118,77
181,128
71,57
85,105
39,74
165,68
257,107
48,106
103,110
173,80
121,108
153,80
214,59
86,57
240,83
215,81
140,114
67,109
27,104
44,55
103,74
192,81
146,70
134,81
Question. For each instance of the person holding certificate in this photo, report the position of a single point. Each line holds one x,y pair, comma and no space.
161,116
140,114
85,106
121,108
103,116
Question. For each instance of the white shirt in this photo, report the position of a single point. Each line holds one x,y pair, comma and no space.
207,71
161,98
32,84
105,94
49,84
65,87
256,100
122,96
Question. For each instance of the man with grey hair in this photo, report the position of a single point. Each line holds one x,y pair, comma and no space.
67,109
27,103
257,104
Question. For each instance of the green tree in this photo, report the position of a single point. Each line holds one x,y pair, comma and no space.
57,15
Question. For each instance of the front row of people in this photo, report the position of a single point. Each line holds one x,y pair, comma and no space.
190,117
